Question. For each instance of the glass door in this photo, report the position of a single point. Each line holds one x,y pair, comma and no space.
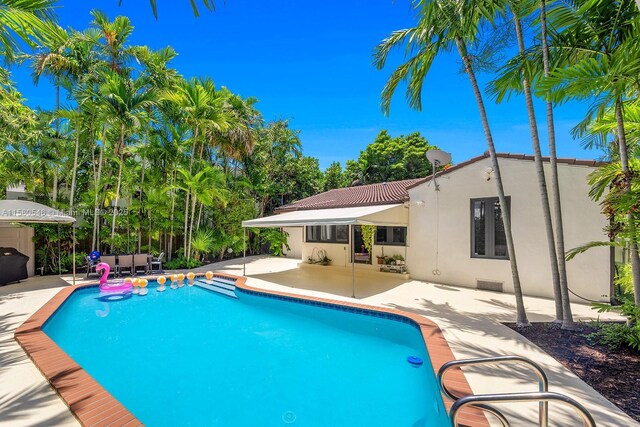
360,253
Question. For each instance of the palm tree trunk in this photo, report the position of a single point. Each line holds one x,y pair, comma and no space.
542,185
96,215
186,202
55,165
117,199
521,315
193,210
624,161
171,216
199,216
54,194
142,166
555,182
75,165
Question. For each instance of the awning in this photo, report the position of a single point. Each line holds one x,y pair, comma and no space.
31,212
361,215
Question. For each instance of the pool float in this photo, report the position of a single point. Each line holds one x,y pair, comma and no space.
191,278
173,281
143,286
209,275
110,287
161,281
180,280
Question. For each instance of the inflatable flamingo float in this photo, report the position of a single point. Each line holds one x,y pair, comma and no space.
113,287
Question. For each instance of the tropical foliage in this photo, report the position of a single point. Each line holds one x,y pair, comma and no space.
585,50
147,160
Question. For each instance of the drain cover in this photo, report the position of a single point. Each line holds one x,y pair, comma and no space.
289,417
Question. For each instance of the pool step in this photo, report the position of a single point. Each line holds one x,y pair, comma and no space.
222,287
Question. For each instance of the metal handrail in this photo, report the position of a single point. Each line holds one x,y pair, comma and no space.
481,399
493,411
543,382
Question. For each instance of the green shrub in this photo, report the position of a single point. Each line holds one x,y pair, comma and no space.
624,279
181,263
276,239
615,335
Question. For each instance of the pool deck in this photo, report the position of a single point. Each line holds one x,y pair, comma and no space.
470,320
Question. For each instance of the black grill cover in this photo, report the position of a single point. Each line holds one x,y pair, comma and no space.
13,265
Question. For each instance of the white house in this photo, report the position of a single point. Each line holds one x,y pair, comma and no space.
454,235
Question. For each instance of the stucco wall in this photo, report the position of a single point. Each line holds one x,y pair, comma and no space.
21,238
294,241
588,274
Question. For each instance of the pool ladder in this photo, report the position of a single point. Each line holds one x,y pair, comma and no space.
481,401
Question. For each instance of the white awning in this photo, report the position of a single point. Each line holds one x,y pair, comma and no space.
362,215
31,212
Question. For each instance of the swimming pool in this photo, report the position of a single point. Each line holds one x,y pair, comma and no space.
193,357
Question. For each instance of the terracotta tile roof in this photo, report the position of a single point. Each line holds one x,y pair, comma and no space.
567,161
397,191
385,193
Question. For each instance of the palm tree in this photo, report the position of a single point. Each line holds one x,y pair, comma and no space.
25,20
114,35
444,25
201,107
600,61
517,77
125,107
208,186
51,59
553,164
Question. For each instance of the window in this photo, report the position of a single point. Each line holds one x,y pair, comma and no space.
391,236
328,233
487,229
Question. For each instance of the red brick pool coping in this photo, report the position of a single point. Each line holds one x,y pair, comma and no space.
92,405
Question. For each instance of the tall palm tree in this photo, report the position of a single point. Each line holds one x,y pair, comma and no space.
51,59
115,35
125,106
241,137
599,48
207,185
553,164
445,25
517,76
202,109
82,75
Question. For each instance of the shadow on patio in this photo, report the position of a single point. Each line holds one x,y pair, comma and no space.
334,280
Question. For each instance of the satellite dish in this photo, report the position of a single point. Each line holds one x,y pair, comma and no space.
438,157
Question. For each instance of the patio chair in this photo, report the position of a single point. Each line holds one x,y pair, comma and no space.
125,264
140,261
91,266
111,261
156,264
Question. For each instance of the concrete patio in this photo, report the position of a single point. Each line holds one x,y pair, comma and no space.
470,320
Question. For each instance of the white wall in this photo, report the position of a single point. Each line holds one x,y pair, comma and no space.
588,274
21,238
294,241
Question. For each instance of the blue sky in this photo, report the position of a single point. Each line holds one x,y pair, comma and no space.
311,62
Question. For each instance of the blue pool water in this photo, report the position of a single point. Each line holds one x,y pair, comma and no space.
191,357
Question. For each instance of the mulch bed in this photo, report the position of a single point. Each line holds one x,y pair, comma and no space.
613,373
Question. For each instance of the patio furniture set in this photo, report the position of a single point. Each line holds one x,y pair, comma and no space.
129,264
